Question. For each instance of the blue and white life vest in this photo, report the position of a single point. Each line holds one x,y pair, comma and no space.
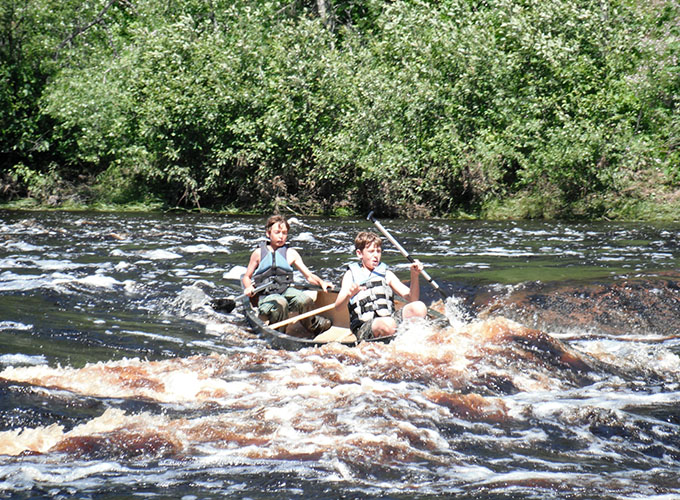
377,298
274,266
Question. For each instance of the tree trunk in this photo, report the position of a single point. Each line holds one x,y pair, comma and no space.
325,12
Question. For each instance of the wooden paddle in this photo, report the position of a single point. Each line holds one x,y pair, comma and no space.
406,254
308,314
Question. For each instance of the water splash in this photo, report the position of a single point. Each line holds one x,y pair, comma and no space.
486,406
367,400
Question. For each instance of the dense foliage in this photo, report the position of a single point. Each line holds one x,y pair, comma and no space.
521,108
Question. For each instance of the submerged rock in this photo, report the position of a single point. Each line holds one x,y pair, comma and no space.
648,305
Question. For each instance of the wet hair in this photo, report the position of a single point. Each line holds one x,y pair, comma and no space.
276,219
366,238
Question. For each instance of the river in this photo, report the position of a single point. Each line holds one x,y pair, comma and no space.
558,376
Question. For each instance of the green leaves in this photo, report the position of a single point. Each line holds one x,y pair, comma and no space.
412,107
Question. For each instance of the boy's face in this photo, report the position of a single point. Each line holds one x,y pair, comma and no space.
370,256
277,235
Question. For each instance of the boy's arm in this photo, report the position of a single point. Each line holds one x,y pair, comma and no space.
247,279
410,293
347,290
294,259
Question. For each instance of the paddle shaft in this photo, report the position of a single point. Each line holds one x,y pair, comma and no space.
405,254
257,289
308,314
230,303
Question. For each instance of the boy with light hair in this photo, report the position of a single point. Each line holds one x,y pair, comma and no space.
368,291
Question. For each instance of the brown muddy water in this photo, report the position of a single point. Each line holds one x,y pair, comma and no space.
558,376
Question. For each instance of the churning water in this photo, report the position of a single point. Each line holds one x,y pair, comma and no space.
558,377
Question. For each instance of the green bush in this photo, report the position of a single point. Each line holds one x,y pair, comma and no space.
507,108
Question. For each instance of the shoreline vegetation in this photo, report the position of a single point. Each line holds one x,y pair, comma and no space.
663,208
461,109
627,211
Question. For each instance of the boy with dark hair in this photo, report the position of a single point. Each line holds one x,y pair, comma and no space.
368,290
275,260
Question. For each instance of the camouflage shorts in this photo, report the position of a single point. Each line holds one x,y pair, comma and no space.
365,331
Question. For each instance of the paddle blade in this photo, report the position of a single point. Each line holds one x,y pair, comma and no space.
225,305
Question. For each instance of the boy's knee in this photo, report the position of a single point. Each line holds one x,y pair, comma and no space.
275,309
306,303
301,303
415,309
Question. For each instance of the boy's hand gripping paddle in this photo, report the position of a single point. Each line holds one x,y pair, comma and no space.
226,305
406,254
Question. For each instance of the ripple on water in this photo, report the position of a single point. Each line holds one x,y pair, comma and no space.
115,366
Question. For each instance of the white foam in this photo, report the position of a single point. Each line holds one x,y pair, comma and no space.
202,248
99,281
15,282
44,264
455,312
56,265
530,476
518,230
306,236
473,265
505,252
668,496
154,336
228,240
130,286
22,359
23,246
70,474
9,263
234,273
160,255
121,266
14,325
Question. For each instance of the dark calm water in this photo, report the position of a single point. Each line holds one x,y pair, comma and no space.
559,376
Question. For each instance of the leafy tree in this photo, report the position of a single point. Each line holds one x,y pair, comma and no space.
411,107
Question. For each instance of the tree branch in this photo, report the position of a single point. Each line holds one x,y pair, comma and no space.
82,29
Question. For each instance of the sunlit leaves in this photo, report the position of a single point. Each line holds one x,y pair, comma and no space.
411,106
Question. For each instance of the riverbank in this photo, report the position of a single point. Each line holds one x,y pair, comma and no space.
655,205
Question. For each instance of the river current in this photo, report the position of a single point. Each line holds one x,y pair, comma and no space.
557,377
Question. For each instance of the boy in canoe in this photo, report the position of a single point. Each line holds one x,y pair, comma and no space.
274,260
368,289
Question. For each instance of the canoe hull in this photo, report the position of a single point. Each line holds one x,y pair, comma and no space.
296,336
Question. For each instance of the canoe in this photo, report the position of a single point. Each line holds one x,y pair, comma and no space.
295,336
